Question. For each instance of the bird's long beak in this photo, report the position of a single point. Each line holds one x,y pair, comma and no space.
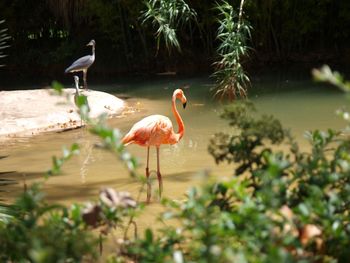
184,105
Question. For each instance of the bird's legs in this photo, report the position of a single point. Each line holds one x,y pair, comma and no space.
147,176
159,175
84,77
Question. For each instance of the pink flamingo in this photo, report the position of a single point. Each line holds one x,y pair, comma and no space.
155,130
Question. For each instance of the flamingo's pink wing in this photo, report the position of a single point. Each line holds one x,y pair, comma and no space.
152,130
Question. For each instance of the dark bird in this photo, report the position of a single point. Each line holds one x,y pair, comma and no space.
83,63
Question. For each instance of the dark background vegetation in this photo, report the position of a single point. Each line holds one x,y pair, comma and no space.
47,35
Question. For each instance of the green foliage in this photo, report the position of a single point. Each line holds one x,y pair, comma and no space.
44,233
57,88
111,140
167,16
244,146
57,163
5,213
233,34
325,74
39,232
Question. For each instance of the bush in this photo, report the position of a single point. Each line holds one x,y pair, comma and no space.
43,233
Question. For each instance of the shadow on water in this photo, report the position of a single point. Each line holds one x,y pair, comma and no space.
84,191
14,181
5,183
18,176
181,177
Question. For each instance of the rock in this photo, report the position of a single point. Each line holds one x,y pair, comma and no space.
29,112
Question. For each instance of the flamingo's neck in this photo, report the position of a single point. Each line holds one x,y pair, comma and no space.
179,121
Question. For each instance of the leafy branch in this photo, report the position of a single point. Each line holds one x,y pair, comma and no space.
325,74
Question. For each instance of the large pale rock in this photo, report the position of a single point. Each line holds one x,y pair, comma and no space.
29,112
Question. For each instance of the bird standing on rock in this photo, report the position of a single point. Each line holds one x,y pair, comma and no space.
83,63
156,130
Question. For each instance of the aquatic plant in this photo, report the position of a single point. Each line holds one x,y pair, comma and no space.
233,34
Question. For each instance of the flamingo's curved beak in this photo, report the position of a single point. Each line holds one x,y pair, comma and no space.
184,105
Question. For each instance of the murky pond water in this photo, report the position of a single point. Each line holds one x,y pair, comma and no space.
299,104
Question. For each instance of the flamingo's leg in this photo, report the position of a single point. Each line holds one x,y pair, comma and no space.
160,181
147,176
84,77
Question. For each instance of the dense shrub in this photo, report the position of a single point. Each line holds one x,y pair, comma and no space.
44,233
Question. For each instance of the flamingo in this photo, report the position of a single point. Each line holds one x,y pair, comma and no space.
156,130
